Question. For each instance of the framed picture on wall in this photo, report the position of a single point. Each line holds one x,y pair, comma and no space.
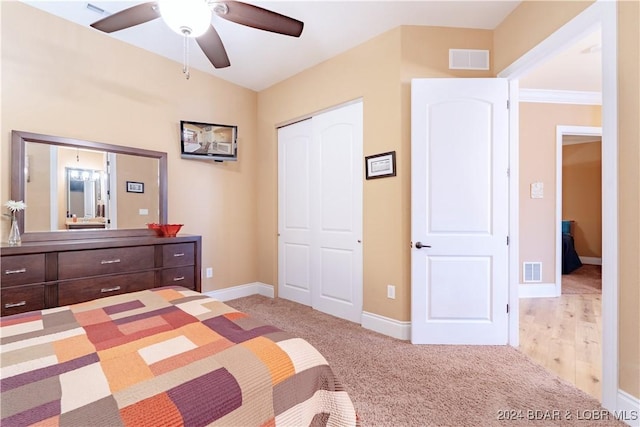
381,165
135,187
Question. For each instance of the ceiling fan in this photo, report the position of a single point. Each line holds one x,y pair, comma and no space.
192,19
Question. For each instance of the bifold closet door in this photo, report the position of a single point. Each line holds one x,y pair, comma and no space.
320,212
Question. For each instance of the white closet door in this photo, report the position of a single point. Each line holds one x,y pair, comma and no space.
294,212
320,212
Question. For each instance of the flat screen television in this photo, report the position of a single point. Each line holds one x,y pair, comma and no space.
208,141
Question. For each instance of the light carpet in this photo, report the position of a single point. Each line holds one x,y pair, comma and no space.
395,383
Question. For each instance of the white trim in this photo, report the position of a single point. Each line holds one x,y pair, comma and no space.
591,260
561,131
628,409
240,291
387,326
514,212
561,96
541,290
601,14
608,16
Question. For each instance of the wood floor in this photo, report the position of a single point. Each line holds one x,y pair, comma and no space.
564,335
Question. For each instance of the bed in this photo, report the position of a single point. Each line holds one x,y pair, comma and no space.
164,356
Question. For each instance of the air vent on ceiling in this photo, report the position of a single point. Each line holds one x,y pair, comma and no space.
468,59
532,271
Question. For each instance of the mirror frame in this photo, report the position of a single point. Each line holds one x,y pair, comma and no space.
18,151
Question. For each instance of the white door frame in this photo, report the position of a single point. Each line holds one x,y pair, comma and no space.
601,14
561,131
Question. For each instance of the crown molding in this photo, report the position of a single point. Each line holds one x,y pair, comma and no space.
561,96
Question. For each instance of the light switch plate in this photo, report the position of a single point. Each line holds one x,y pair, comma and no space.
537,190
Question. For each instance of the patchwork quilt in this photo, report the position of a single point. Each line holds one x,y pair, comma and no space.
161,357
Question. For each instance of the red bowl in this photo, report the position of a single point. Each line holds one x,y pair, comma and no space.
170,230
155,227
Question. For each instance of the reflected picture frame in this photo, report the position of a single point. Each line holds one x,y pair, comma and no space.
135,187
381,165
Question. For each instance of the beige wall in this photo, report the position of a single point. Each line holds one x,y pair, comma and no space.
519,33
379,71
629,193
63,75
538,164
582,195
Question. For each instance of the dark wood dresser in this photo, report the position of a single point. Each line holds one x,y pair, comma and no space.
41,275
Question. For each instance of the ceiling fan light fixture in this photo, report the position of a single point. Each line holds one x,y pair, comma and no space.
190,18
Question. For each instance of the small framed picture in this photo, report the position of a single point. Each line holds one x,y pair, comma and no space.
135,187
381,165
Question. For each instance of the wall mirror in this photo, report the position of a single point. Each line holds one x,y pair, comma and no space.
61,177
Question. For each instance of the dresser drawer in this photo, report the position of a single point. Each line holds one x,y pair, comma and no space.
22,269
179,276
178,254
21,299
81,290
97,262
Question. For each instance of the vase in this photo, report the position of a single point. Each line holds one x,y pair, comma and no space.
14,234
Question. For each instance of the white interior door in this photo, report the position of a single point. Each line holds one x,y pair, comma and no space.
459,211
337,209
320,212
294,212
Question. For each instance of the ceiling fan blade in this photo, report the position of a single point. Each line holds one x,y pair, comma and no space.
130,17
211,44
257,17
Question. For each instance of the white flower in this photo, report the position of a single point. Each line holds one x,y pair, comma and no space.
15,206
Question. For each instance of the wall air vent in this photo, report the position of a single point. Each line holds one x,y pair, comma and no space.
468,59
532,272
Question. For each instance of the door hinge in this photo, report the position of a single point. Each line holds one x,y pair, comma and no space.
508,104
507,240
507,308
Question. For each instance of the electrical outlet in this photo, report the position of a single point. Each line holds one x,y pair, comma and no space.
209,272
391,292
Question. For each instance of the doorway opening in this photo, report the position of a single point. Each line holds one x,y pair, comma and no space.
600,15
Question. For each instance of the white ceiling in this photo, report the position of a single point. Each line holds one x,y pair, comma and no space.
260,59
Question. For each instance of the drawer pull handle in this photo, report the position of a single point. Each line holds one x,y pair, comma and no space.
110,261
179,254
22,270
15,304
105,290
177,279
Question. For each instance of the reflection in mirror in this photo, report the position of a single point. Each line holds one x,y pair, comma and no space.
60,177
85,200
90,184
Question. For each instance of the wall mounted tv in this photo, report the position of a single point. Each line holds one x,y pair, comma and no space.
208,141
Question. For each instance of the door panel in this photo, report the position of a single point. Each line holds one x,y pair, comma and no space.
338,144
459,209
294,245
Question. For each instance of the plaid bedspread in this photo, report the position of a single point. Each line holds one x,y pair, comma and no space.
167,356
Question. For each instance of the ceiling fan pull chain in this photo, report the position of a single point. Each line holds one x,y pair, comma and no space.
185,59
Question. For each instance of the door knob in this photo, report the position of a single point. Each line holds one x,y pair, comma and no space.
419,245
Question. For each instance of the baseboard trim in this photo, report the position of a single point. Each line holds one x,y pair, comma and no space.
241,291
591,260
539,290
387,326
628,409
